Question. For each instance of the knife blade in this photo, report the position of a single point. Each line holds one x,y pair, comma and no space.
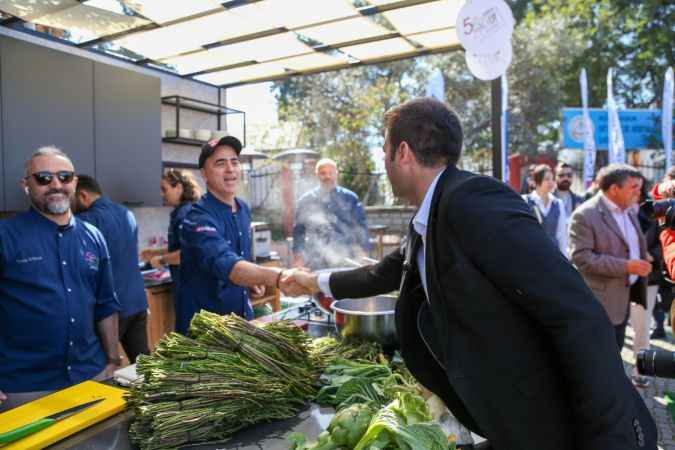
40,424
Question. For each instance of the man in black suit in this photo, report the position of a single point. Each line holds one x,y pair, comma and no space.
491,316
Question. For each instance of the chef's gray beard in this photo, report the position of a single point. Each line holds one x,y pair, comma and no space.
58,207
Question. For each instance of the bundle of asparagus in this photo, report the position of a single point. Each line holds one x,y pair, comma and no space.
325,350
228,374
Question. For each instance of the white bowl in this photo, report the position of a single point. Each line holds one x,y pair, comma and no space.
203,135
185,133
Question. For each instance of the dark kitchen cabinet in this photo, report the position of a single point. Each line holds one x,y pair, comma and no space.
47,99
128,135
106,118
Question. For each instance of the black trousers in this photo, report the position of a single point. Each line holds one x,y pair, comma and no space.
663,307
620,332
134,335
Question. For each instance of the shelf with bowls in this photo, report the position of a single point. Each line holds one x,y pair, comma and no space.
198,137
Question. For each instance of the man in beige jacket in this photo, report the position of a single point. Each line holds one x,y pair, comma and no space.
608,247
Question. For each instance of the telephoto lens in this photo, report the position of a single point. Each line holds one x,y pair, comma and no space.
656,363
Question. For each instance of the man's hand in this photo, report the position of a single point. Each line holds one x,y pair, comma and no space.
3,397
289,286
107,372
257,291
299,282
156,262
147,253
638,267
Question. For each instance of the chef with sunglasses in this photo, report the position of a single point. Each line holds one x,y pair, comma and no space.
58,308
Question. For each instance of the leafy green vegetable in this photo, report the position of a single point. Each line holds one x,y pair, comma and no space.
404,424
325,442
350,423
348,382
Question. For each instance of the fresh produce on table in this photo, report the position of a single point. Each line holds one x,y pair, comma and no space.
227,375
379,406
405,423
324,350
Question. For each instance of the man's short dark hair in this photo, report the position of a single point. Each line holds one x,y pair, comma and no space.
539,173
432,130
616,174
562,165
211,146
89,184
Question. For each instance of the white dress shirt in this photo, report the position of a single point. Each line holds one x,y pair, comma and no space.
561,230
628,230
420,222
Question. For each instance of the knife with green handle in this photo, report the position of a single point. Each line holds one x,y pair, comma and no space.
41,424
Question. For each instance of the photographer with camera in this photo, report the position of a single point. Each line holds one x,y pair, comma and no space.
663,210
658,362
641,315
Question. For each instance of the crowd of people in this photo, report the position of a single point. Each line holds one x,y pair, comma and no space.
613,242
503,299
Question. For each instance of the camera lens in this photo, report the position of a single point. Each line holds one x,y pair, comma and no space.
656,363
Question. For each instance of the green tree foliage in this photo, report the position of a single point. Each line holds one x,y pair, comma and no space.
634,36
341,112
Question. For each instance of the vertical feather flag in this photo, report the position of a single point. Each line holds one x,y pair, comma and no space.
617,151
589,139
667,117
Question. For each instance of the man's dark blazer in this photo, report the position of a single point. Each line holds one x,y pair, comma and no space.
529,354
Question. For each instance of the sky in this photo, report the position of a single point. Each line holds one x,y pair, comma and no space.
260,107
256,101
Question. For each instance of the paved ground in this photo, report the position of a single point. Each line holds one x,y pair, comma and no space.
653,395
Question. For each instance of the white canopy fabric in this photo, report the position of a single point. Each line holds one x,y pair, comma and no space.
227,43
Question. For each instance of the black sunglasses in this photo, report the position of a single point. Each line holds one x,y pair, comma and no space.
45,178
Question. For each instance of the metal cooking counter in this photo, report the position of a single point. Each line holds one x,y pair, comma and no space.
113,433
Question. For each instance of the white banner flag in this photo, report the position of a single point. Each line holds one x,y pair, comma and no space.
617,151
589,138
667,117
436,86
505,129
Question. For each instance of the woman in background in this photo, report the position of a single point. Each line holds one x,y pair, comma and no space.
180,190
549,210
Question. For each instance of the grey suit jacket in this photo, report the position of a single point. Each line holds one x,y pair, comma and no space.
599,252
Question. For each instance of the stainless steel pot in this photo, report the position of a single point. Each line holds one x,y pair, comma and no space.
370,318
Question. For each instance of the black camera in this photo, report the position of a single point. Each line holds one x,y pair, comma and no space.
656,363
662,210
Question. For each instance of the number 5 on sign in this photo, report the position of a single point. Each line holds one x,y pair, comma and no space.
468,26
484,25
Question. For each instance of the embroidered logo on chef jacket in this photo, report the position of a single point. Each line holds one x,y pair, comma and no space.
91,260
29,259
205,229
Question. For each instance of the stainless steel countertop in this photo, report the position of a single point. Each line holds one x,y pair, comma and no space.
113,433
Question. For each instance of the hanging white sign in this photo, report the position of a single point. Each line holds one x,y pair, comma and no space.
484,26
491,66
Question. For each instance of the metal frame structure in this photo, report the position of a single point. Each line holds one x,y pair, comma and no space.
17,24
193,104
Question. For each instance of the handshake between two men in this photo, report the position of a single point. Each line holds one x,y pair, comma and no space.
298,281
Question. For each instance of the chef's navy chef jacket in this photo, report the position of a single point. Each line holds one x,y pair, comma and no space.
213,240
55,285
